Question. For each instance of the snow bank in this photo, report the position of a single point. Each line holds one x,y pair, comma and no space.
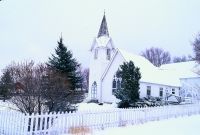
179,126
7,106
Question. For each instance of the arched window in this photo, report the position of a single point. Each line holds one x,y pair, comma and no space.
94,90
117,84
114,86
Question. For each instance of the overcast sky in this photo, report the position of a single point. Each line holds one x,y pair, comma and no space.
29,29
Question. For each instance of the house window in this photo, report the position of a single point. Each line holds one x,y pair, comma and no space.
95,54
94,90
161,92
173,91
108,54
116,84
148,91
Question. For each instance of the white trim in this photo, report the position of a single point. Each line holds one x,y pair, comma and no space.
95,43
108,67
160,84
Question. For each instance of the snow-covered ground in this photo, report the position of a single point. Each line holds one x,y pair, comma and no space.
179,126
7,106
94,106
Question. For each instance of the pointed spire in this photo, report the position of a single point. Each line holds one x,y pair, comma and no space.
103,31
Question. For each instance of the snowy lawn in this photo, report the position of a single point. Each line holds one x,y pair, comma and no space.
176,126
7,106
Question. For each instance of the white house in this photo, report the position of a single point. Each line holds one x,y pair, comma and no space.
187,72
105,60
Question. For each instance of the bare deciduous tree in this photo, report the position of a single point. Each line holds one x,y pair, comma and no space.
40,89
179,59
182,59
196,48
27,94
157,56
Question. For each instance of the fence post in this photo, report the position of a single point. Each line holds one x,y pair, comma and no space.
26,121
120,117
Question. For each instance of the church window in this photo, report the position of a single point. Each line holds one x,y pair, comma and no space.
114,84
95,54
108,54
148,91
117,84
94,90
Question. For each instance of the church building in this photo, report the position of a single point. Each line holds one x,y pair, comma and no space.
106,58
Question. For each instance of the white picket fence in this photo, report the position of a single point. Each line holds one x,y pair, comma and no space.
15,123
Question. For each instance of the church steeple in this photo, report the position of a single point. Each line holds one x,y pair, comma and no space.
103,30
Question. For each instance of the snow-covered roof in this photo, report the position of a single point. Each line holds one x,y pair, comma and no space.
149,72
102,41
183,69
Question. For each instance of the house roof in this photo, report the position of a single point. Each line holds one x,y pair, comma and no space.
187,69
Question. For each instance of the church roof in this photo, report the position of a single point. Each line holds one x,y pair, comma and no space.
149,72
103,30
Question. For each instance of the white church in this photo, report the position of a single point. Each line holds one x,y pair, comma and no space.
179,79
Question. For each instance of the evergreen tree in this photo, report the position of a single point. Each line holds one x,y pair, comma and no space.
128,93
64,63
6,85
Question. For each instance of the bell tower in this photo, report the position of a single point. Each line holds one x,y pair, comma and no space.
101,53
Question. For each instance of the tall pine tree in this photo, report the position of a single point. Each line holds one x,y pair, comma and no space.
6,85
128,93
64,63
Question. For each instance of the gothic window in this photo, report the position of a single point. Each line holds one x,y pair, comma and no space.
94,90
108,54
95,54
116,84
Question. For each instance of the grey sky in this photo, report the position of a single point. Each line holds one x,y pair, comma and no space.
29,29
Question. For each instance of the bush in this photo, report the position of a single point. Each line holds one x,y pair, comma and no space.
123,104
